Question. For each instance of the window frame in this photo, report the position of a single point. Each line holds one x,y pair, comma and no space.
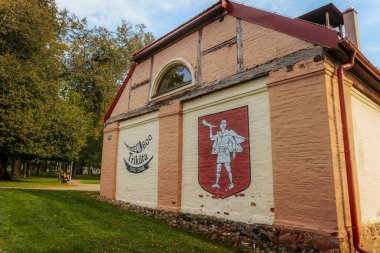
167,67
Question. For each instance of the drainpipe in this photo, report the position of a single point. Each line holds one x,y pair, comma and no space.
347,151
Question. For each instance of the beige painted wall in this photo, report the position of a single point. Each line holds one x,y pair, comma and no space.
366,124
260,192
139,188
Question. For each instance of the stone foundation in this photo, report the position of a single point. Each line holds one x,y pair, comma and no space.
372,237
247,237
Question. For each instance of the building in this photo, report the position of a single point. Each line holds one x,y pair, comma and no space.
255,117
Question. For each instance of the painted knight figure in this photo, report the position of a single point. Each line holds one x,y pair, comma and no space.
224,157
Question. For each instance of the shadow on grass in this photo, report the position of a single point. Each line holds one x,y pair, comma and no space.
69,221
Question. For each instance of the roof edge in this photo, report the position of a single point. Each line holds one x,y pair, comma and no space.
301,29
346,43
185,28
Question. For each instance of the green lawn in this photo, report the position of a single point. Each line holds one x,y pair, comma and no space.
45,180
40,181
68,221
85,179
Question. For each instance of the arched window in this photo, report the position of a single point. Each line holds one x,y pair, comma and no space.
176,75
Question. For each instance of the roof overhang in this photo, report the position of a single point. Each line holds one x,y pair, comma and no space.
301,29
313,33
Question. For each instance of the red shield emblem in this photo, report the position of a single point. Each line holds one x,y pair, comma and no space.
223,151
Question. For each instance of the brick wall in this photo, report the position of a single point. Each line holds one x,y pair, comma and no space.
142,72
214,68
261,44
122,105
139,97
109,160
170,158
140,85
341,188
185,48
304,193
218,32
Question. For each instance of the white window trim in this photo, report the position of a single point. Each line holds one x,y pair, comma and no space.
169,64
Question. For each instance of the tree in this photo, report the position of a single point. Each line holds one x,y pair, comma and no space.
27,74
96,62
58,78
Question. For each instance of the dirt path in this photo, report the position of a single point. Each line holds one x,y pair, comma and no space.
75,185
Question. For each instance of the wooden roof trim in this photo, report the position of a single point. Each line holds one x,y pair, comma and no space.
301,29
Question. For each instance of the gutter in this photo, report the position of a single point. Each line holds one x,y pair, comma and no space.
361,58
346,143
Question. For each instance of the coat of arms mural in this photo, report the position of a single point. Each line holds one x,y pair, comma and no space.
223,152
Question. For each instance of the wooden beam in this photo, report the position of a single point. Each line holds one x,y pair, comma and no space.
327,15
151,75
226,43
198,78
136,85
239,36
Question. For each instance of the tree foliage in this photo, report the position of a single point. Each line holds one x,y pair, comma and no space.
96,61
58,77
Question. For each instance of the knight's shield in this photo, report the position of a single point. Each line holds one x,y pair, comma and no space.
217,151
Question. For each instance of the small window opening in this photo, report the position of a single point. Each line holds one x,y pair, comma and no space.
176,76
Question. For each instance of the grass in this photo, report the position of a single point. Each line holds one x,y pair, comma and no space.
85,179
41,181
46,180
68,221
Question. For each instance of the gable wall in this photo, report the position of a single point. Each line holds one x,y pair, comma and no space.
212,52
261,44
122,105
185,48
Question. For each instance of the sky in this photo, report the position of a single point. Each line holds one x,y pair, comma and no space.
162,16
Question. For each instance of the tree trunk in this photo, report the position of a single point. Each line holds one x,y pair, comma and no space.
28,169
74,170
15,169
24,167
4,175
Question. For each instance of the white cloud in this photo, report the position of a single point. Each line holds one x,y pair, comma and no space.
110,13
107,13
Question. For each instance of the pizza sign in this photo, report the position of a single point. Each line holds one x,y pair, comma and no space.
223,152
